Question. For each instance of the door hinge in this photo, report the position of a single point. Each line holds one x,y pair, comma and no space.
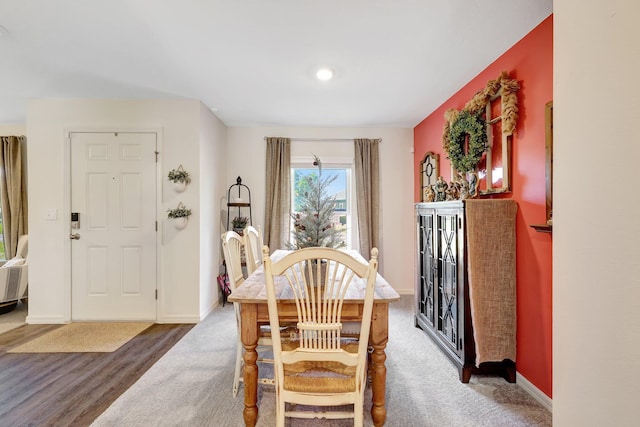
156,153
156,225
156,294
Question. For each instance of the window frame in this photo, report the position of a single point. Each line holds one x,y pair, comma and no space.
306,162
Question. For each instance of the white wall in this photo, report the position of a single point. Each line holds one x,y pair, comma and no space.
180,141
13,130
246,157
596,213
212,182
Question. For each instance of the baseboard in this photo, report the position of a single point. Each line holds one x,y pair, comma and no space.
544,400
45,320
213,306
179,318
52,320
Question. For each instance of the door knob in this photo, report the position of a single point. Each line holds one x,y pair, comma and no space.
75,236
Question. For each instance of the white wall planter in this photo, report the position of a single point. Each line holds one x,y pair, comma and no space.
179,223
179,216
179,186
180,178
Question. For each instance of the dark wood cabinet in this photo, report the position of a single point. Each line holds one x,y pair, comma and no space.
443,308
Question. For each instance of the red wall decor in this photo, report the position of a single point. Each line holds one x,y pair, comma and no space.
530,62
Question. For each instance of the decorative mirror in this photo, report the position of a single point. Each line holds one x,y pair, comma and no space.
548,114
493,169
547,227
429,172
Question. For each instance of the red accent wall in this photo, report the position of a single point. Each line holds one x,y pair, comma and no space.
530,62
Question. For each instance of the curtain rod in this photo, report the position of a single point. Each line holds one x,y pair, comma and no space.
324,139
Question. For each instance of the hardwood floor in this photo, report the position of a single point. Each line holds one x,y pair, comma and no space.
72,389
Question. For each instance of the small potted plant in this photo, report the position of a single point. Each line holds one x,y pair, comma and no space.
179,215
239,223
180,178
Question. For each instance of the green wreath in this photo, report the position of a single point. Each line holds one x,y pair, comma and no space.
474,126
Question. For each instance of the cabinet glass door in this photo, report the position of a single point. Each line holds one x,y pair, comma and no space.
448,279
427,267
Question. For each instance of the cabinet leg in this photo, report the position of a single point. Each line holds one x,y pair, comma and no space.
465,374
505,369
510,372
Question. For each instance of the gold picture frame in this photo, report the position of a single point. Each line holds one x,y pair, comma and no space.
548,116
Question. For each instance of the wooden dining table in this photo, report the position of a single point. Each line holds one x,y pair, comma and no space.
252,297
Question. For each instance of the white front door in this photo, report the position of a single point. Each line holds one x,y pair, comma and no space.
113,246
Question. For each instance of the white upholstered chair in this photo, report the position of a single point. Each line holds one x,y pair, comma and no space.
14,277
322,368
232,247
252,248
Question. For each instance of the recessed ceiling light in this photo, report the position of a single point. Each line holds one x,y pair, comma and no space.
324,74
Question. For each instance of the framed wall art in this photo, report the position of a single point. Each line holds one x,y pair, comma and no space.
429,172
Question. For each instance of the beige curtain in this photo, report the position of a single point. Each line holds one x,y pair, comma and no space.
278,198
368,188
13,192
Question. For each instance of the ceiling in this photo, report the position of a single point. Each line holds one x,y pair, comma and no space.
253,62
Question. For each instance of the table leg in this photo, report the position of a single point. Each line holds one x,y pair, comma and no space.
249,335
379,338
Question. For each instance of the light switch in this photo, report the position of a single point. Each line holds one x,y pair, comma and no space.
52,214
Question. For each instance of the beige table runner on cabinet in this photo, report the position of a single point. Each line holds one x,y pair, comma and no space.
492,279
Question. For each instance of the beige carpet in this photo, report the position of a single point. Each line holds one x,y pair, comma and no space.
83,338
191,386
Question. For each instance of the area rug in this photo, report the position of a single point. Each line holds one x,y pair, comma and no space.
83,338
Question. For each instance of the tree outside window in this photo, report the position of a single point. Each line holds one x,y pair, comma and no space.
337,190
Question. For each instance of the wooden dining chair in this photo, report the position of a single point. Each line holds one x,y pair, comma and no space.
232,247
322,368
253,248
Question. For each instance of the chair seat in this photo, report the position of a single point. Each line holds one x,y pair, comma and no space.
319,380
265,330
321,376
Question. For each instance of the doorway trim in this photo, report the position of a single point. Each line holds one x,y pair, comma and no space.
66,208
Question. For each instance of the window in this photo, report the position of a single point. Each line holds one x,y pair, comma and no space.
340,189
